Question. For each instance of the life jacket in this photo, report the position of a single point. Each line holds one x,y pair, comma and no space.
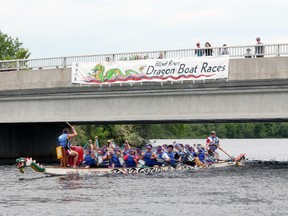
104,163
201,155
147,158
130,161
160,154
210,158
160,160
214,143
63,141
172,157
115,160
89,161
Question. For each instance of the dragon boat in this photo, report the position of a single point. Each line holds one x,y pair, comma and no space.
62,171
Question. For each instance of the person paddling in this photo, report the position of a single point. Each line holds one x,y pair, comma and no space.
64,141
160,156
147,156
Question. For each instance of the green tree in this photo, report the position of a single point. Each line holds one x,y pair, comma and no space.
11,48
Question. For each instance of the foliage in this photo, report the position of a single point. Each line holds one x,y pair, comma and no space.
141,133
119,133
11,48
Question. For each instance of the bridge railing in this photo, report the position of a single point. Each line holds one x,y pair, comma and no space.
270,50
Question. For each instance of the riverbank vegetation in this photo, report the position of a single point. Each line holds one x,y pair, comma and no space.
140,134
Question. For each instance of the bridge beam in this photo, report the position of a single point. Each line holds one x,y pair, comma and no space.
183,104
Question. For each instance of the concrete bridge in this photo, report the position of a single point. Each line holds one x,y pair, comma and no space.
35,103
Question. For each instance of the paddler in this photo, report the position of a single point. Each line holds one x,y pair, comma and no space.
160,156
147,156
131,158
89,154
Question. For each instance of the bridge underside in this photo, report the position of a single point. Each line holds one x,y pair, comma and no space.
216,102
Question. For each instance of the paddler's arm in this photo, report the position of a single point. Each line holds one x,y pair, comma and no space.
74,134
92,151
96,143
153,156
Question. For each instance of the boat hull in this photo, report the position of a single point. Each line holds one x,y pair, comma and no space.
60,171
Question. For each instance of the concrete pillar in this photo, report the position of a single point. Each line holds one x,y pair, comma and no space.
36,140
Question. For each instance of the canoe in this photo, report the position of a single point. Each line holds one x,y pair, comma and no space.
62,171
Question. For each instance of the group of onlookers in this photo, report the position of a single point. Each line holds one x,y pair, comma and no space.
208,51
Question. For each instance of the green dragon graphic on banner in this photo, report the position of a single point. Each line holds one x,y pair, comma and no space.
101,75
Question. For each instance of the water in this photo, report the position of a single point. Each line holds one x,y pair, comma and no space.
254,189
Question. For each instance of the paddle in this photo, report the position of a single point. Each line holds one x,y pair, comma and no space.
237,162
69,124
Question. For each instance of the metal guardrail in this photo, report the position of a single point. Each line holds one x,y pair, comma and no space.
60,62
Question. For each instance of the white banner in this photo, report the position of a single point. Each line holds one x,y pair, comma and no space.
151,70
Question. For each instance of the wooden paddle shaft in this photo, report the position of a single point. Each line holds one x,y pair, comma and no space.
226,153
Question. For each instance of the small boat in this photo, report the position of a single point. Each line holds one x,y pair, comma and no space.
62,171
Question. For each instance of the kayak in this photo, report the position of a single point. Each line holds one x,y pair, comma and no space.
62,171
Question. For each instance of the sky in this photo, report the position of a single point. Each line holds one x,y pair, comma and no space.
54,28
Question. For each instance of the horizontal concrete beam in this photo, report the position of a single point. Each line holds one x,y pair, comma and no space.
191,105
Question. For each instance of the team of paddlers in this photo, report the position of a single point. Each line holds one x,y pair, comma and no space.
113,156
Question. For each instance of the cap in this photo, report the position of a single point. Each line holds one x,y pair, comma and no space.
258,38
132,150
213,132
170,146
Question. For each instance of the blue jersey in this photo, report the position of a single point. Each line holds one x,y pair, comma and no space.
115,160
63,141
172,157
130,162
147,158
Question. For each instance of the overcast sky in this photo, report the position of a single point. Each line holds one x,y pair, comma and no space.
50,28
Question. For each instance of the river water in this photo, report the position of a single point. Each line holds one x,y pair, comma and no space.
258,188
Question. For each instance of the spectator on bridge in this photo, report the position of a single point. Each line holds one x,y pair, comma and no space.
225,51
248,53
199,52
259,48
161,55
208,51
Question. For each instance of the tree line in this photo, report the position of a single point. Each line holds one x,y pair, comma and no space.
140,134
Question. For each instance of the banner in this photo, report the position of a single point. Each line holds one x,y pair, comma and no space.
151,70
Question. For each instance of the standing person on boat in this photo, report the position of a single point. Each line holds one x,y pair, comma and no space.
147,156
160,156
212,143
64,141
